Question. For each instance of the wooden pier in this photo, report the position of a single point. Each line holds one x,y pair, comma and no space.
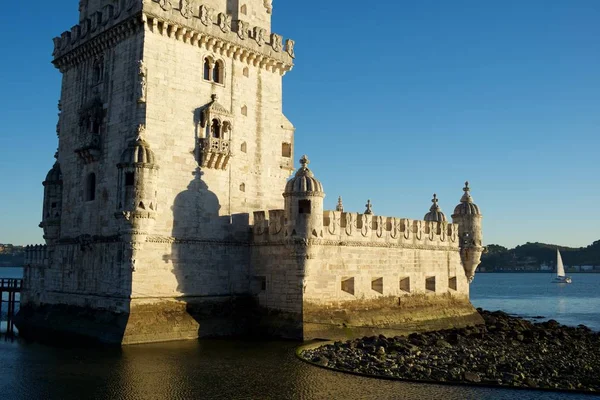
11,287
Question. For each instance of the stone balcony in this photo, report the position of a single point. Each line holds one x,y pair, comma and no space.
214,152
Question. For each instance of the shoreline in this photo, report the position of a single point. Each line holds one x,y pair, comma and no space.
505,352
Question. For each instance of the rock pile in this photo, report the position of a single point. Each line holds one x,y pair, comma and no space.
506,351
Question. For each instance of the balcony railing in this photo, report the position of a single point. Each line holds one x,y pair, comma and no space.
214,152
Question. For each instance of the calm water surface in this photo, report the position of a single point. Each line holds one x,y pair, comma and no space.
229,369
534,294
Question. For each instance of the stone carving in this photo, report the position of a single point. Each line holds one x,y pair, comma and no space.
94,22
276,42
407,229
85,28
143,82
340,206
289,47
379,230
141,131
165,5
225,22
418,229
259,35
350,224
268,5
366,220
187,8
206,15
369,206
242,29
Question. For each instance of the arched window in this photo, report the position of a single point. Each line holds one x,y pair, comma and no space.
218,72
244,9
246,72
216,129
90,187
207,69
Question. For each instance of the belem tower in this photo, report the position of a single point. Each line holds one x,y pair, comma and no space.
174,210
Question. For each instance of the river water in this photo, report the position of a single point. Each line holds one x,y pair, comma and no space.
232,369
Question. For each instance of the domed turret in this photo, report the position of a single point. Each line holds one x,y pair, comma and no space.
435,212
137,185
466,206
52,207
138,151
468,217
304,181
304,202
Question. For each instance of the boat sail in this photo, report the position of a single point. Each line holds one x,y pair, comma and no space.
560,270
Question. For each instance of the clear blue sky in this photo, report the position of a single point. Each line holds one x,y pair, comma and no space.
392,101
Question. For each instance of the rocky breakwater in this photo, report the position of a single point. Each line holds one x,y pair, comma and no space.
506,351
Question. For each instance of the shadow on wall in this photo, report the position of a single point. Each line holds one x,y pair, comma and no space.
210,260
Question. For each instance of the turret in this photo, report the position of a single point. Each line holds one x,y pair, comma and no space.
435,212
52,208
467,216
304,203
137,185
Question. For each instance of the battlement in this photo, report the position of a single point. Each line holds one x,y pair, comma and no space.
347,228
118,16
36,256
199,26
203,26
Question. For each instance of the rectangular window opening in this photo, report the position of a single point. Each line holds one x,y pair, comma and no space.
303,206
348,285
452,283
405,285
430,284
377,285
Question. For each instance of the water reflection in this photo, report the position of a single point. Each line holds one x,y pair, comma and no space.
208,369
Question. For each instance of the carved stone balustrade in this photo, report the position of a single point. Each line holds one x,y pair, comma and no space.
214,152
91,150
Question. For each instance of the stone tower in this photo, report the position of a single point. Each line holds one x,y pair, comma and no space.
468,217
304,203
171,132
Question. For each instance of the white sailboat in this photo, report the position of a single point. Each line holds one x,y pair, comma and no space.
560,270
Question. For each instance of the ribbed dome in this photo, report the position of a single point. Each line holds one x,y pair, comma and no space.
435,212
466,206
54,175
304,181
138,151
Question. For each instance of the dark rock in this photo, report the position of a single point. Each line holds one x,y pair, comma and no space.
472,377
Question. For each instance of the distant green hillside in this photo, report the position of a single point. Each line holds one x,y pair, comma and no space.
11,256
531,255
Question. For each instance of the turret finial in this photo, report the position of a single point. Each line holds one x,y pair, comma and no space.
340,205
369,206
434,200
141,130
304,161
214,97
466,188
